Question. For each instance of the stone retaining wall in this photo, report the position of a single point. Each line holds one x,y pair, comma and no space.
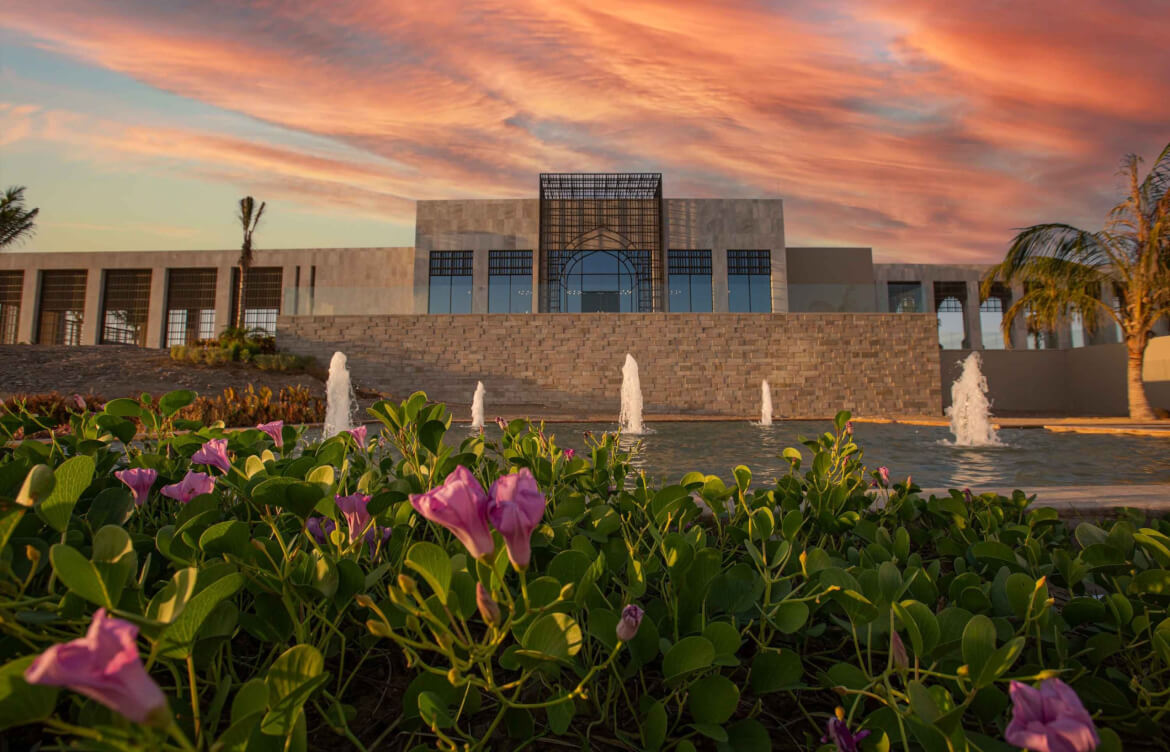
872,364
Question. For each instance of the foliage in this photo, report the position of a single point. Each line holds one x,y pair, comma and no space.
245,346
16,223
249,217
1065,269
768,603
25,416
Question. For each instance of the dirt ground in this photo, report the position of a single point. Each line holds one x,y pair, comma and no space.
111,371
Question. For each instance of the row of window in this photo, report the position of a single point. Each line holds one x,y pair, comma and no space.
189,306
600,281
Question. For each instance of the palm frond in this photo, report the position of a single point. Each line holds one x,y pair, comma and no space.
16,222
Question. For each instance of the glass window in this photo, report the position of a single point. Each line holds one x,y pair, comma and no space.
190,305
61,308
1077,325
599,282
991,322
451,282
689,281
906,297
126,304
11,289
749,281
952,330
510,282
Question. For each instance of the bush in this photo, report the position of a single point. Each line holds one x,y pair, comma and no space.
319,597
284,362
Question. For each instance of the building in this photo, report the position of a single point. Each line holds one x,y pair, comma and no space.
586,244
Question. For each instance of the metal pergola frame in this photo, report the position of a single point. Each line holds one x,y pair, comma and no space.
582,212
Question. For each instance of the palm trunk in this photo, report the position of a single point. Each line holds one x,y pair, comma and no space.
239,312
1139,406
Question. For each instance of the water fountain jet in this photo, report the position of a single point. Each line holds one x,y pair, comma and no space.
970,410
477,406
339,397
631,414
765,403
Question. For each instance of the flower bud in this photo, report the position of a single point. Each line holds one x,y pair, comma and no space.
364,601
631,619
454,677
408,584
488,608
898,650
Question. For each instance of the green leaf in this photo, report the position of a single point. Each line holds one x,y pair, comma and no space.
79,574
72,478
115,559
772,671
922,701
179,638
227,537
790,616
172,402
999,662
299,497
560,716
688,654
433,564
748,735
552,637
292,679
713,699
654,727
38,484
20,702
978,643
250,699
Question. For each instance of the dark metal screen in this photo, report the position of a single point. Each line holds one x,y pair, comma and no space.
749,262
262,294
62,306
507,263
125,307
998,299
11,289
950,296
190,305
688,262
618,212
451,263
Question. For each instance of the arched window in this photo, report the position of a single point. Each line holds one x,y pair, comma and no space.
599,281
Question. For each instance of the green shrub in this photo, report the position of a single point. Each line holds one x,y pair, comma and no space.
285,362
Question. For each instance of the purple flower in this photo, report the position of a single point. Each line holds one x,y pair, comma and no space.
849,426
213,454
884,474
503,425
968,496
193,484
139,480
488,608
570,454
628,625
79,401
359,435
1050,718
838,732
460,505
104,666
320,528
515,507
275,429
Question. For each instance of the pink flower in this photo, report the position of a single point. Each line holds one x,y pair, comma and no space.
1050,718
570,454
79,401
139,480
884,474
359,435
275,429
515,508
104,666
849,427
193,484
488,608
838,732
353,508
214,454
631,619
460,505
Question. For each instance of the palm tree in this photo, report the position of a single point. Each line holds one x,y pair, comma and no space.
249,218
1066,269
16,222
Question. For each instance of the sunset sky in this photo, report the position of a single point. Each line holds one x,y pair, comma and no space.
925,129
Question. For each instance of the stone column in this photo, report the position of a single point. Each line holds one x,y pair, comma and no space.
779,280
91,325
223,297
719,280
29,303
157,310
881,294
971,314
479,281
1020,325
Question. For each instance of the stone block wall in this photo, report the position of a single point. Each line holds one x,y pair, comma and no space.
706,363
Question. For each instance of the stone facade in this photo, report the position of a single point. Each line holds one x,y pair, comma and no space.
872,364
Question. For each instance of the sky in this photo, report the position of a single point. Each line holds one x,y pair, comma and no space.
926,130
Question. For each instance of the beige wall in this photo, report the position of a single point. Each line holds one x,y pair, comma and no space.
872,364
1082,381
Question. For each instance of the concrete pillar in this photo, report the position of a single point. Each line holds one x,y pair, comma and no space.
1020,325
157,311
223,297
30,301
881,294
971,314
719,280
479,281
779,280
288,284
91,325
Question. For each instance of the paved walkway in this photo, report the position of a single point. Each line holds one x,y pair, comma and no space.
1089,502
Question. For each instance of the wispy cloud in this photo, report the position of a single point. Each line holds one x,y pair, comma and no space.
926,130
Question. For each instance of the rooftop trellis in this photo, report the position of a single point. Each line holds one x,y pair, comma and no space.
600,185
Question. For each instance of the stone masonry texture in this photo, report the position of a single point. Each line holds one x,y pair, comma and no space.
816,364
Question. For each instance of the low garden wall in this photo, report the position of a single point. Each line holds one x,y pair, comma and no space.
817,364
